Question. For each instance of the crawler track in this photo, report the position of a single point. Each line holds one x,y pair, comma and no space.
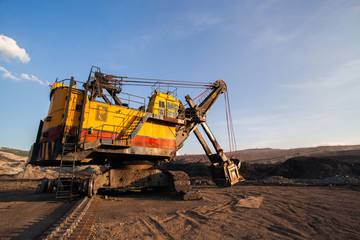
75,224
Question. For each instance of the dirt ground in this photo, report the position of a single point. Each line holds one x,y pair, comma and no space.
285,195
286,212
25,215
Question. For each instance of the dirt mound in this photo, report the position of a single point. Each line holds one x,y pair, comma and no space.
192,168
311,167
303,168
36,172
294,171
269,155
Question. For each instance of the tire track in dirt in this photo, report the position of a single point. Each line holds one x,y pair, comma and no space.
285,213
194,221
156,228
210,210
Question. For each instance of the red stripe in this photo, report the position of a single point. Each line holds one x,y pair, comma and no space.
141,141
51,133
95,135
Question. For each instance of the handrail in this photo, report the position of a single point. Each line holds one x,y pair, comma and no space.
129,99
164,88
67,79
100,129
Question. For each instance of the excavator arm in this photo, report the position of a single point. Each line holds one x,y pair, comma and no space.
224,171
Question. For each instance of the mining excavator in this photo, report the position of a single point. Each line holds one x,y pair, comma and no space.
96,122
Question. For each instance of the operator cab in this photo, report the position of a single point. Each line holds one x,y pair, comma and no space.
163,104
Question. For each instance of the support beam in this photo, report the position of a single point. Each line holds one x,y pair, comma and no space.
202,142
211,137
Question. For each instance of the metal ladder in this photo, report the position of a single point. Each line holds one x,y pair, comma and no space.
65,181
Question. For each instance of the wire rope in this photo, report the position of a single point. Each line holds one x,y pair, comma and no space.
153,81
230,127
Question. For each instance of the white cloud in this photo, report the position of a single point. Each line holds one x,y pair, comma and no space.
7,74
9,49
33,78
23,76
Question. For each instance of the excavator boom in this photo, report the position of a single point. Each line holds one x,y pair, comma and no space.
225,171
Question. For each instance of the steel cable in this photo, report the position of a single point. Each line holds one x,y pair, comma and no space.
230,127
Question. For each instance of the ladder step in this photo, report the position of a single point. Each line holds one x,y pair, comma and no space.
63,196
66,185
71,148
65,188
66,178
69,145
63,191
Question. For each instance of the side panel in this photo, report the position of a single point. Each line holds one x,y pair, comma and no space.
74,109
109,118
155,135
53,122
56,111
106,129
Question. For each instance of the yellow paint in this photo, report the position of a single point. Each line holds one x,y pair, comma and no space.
56,85
110,118
57,107
157,130
73,114
165,109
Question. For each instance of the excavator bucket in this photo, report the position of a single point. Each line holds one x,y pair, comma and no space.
226,174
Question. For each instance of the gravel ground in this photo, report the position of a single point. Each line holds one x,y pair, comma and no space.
286,212
25,215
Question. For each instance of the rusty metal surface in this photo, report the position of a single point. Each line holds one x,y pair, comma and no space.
125,178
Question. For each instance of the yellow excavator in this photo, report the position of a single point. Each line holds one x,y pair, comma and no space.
96,122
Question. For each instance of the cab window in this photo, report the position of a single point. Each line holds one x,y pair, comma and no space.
161,104
162,108
170,106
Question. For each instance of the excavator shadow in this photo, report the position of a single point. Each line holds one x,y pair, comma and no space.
21,196
148,194
26,214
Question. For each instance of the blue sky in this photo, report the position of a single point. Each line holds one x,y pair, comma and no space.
292,67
